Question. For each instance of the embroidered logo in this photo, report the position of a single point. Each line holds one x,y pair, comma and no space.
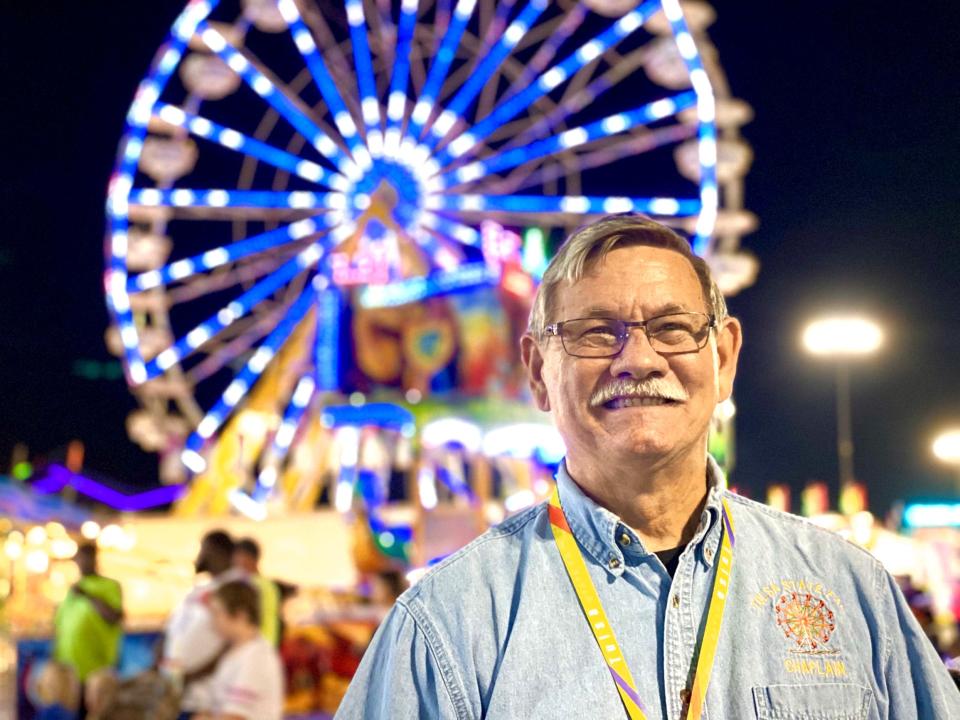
806,620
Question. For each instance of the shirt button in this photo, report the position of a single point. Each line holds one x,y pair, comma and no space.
614,563
624,539
685,695
708,553
676,601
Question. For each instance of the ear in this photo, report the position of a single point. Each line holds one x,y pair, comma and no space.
532,357
729,340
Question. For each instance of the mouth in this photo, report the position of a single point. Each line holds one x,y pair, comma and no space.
635,401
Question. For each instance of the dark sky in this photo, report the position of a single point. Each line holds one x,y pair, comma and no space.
854,181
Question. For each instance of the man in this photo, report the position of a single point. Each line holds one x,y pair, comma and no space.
248,682
192,646
246,558
88,621
643,589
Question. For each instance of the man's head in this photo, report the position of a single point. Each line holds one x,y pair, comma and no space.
216,553
86,559
643,402
246,555
235,608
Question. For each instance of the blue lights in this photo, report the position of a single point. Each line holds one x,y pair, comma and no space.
371,171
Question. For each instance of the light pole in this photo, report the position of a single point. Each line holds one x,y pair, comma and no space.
843,339
946,448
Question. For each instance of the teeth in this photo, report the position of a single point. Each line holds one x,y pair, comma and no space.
635,401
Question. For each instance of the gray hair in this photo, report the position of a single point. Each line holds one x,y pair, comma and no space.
589,244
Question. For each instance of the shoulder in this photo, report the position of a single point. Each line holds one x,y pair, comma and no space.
491,562
792,534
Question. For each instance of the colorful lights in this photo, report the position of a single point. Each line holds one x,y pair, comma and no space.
355,146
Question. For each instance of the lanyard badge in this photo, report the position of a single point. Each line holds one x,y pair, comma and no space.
600,625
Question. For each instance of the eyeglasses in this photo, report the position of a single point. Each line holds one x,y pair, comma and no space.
597,337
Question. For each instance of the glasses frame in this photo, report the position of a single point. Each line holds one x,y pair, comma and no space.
556,329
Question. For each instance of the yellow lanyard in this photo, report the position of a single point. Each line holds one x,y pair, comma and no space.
603,632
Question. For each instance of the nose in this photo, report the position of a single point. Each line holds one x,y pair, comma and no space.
638,359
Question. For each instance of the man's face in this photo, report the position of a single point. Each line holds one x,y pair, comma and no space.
244,561
632,283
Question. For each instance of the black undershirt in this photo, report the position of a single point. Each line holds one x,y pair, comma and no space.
671,558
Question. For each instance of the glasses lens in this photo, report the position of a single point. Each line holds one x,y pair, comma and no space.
683,332
592,337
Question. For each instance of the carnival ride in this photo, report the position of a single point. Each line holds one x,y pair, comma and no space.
326,223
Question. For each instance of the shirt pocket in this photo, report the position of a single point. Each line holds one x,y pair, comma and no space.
823,701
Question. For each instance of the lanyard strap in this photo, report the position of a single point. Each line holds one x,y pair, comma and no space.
600,625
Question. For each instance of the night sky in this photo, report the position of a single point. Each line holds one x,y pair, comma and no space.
854,181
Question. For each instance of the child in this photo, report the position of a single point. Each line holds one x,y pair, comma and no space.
248,681
57,692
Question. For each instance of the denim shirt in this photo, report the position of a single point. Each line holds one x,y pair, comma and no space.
814,627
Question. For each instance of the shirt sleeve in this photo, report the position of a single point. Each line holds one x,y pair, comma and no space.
916,680
400,675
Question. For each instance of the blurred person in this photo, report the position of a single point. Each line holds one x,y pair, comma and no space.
56,692
87,625
100,690
192,647
643,587
246,557
248,683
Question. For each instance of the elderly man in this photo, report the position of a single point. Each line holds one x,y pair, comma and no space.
643,589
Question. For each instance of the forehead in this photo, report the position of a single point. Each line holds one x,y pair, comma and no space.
633,281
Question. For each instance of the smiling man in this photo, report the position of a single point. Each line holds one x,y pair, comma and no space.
643,589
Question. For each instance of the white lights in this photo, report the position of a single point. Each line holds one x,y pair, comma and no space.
662,108
946,446
200,126
182,197
208,426
218,198
575,136
590,51
514,33
261,358
193,461
234,392
230,138
842,336
615,124
574,204
213,40
552,77
664,206
261,85
301,200
617,205
302,228
90,529
172,115
213,258
686,45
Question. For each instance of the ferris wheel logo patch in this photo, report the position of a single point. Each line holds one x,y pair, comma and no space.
806,621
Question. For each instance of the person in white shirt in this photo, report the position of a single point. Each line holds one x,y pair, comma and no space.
248,682
192,646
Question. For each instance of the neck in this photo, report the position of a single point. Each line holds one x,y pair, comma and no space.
662,503
246,634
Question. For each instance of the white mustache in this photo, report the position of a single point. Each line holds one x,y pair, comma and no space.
646,388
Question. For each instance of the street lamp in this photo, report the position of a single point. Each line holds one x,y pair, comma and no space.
946,448
843,339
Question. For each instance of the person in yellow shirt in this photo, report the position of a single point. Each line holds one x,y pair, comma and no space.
87,626
246,557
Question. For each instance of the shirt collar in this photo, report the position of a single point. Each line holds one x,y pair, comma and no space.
607,539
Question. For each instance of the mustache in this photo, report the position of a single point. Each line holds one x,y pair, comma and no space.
647,387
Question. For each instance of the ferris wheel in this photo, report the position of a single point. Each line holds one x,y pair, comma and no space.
282,156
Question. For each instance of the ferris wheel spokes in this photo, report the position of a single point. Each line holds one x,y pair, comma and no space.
276,98
307,46
575,137
369,104
231,139
245,379
468,92
397,94
304,260
186,268
515,102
